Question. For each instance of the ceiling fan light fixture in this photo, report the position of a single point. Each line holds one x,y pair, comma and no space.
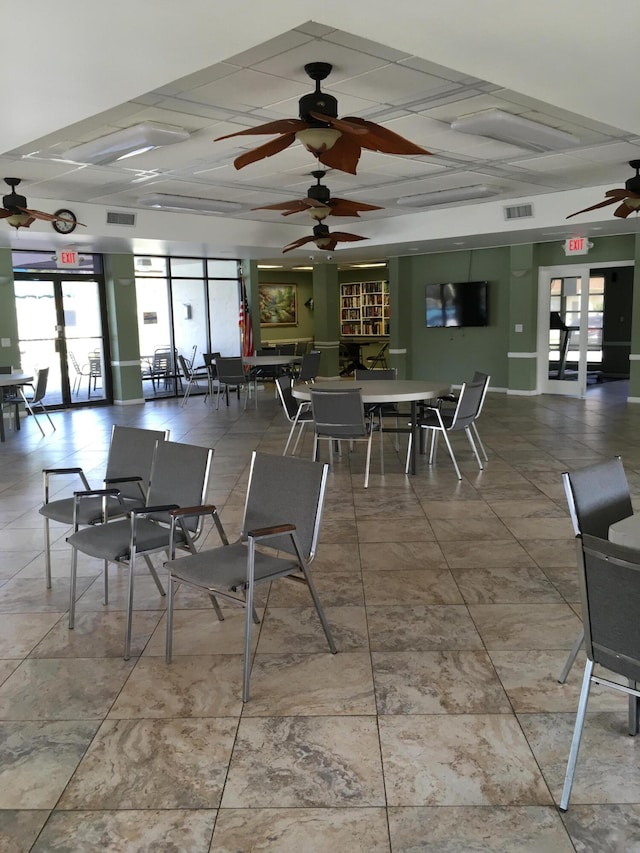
634,203
447,196
507,127
19,220
126,143
322,242
317,140
188,204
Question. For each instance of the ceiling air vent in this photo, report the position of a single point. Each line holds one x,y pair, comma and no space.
115,218
518,211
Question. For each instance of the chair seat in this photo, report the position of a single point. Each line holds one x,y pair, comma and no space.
112,541
225,568
430,419
89,509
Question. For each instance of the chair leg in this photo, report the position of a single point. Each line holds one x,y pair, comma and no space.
154,575
171,589
368,462
473,447
577,735
47,553
451,454
479,441
634,710
72,587
105,572
575,648
319,608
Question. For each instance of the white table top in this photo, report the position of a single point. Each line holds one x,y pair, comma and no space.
379,390
16,378
270,360
626,532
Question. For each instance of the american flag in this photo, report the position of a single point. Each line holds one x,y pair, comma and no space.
246,326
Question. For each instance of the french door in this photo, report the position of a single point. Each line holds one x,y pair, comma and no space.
61,326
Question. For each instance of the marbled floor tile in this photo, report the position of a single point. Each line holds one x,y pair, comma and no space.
11,562
471,529
335,589
37,760
530,679
395,530
30,539
502,585
437,683
467,555
29,595
481,829
7,667
607,768
198,632
337,557
60,565
287,629
565,580
153,764
460,510
146,595
198,686
99,635
68,689
551,552
460,760
505,491
604,829
19,829
535,508
153,831
338,530
387,505
534,528
20,632
311,685
400,555
526,626
302,830
289,762
410,586
421,628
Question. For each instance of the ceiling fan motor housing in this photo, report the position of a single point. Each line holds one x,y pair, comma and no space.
13,201
317,102
318,192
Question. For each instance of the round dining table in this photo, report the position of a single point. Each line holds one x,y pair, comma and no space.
384,391
11,380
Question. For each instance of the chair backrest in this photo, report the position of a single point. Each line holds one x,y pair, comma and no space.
286,490
339,414
610,591
468,405
598,496
95,366
384,373
287,349
289,402
5,369
184,367
209,359
231,370
309,366
482,377
131,454
41,385
162,361
74,362
179,475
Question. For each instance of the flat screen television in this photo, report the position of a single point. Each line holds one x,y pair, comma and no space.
457,304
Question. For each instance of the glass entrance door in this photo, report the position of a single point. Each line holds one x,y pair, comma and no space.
60,326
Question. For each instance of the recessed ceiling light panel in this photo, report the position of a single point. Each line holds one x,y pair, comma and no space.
126,143
184,203
506,127
447,196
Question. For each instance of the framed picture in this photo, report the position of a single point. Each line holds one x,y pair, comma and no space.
278,304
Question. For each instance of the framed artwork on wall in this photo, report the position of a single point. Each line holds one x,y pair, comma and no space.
278,304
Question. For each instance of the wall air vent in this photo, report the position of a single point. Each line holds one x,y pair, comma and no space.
116,218
518,211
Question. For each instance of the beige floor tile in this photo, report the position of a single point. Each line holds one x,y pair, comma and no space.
601,829
97,634
505,585
19,829
19,635
287,629
400,555
421,628
411,586
467,555
526,626
395,530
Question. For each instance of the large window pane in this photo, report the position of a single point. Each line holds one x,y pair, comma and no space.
190,318
224,316
222,269
154,330
193,267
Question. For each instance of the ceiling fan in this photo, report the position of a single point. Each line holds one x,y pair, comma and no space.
14,209
319,203
336,142
628,198
324,239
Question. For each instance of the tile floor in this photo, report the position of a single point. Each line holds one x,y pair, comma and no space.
439,726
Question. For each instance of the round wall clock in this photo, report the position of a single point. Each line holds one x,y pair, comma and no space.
66,223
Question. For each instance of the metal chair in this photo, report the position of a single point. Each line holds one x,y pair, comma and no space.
598,496
309,366
80,373
340,416
283,511
453,398
610,592
37,398
191,375
461,418
231,374
131,453
380,410
160,369
209,359
380,358
179,479
298,414
95,371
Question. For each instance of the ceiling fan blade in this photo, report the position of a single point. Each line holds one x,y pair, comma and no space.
284,125
313,202
344,155
345,237
288,206
624,210
621,193
341,124
604,203
47,217
267,150
330,245
4,212
381,139
297,243
345,207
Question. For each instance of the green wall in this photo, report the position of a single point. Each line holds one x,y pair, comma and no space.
305,326
9,355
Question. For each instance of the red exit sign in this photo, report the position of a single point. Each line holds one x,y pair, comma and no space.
67,258
577,246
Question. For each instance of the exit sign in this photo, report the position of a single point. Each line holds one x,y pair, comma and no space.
577,246
67,258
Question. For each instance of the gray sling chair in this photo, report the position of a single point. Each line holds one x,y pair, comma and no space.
453,399
179,479
598,496
298,414
231,374
192,375
610,594
339,416
283,511
380,410
461,418
37,398
309,366
131,452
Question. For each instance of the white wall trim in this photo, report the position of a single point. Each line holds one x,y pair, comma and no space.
633,399
513,393
397,352
522,355
634,357
327,344
138,401
134,363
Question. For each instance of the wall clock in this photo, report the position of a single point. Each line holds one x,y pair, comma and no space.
66,223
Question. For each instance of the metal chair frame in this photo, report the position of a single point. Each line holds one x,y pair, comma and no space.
298,414
39,391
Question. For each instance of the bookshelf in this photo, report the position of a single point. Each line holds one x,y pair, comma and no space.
364,309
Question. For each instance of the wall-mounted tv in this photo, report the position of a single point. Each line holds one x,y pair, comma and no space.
457,304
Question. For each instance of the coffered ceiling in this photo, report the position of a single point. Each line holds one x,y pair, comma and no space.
383,81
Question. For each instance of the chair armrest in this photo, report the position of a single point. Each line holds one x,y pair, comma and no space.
147,510
203,509
96,493
123,480
50,471
266,532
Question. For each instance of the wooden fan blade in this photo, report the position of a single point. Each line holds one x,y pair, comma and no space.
47,217
4,212
381,139
345,237
624,210
618,194
344,155
313,202
340,124
345,207
267,150
288,206
604,203
297,243
330,246
284,125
